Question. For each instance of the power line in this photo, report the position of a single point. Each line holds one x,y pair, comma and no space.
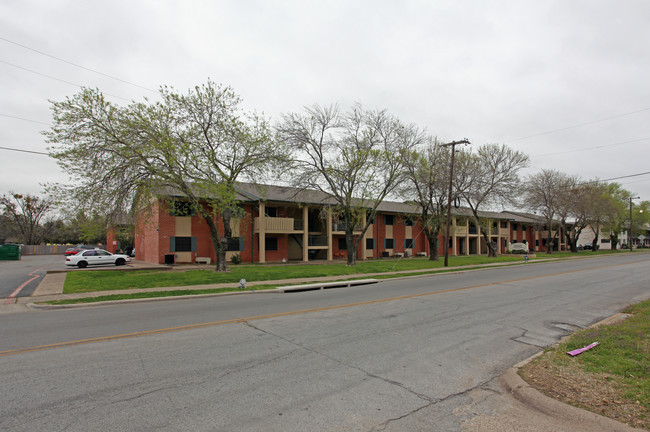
590,148
56,79
24,119
617,178
578,125
24,151
76,65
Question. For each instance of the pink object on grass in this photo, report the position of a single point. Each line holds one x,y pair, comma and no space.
575,352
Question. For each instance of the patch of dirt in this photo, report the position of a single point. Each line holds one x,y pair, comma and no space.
565,380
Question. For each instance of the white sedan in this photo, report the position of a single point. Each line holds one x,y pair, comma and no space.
96,257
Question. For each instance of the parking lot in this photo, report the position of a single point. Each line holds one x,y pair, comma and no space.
25,275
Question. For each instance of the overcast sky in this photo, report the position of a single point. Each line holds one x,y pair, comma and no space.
566,82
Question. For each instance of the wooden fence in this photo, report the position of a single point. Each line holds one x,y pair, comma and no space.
47,249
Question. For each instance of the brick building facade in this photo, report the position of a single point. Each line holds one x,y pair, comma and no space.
279,224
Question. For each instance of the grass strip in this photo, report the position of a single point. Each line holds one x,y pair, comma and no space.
612,379
85,281
175,293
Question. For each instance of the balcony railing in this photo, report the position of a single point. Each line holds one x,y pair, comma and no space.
461,231
275,225
341,226
317,241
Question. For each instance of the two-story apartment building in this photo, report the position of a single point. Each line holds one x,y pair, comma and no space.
278,223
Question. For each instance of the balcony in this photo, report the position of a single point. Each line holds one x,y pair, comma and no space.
341,226
279,225
461,231
317,241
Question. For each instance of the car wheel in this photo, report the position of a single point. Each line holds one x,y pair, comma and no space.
120,261
82,264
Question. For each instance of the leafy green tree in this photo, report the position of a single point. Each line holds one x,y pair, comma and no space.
196,144
355,156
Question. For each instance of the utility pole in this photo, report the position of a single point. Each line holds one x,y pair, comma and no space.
629,233
453,145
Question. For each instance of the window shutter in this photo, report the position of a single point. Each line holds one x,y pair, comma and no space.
172,244
242,244
193,244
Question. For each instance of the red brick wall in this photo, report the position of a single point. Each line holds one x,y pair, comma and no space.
147,240
283,248
110,238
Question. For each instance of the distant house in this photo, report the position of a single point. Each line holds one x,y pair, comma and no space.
281,223
640,239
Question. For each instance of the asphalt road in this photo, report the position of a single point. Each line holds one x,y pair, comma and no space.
25,274
407,355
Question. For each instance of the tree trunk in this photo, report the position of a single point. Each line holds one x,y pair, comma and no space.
351,244
222,263
549,242
492,251
433,245
217,245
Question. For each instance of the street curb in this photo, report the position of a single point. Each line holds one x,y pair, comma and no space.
534,399
34,305
414,274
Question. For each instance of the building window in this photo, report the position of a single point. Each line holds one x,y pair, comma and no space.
235,244
343,244
369,218
271,244
182,244
389,243
408,221
271,212
504,224
389,219
536,243
370,243
409,244
604,240
515,227
181,208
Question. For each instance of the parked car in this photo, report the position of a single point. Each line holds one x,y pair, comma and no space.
96,257
75,250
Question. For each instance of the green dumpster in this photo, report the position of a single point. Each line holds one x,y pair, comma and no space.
10,252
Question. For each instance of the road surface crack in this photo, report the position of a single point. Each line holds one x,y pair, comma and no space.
369,374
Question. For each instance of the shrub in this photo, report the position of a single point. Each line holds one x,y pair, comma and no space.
235,259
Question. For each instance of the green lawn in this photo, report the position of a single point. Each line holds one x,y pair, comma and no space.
92,281
611,379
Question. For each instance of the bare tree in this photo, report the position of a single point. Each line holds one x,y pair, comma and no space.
486,177
354,156
427,186
546,192
197,144
25,213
